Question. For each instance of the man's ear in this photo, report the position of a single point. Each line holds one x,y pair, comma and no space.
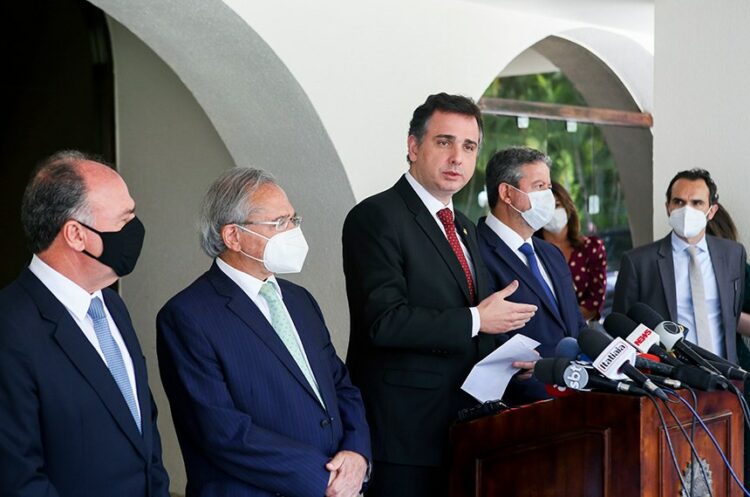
712,211
503,193
230,235
412,145
74,235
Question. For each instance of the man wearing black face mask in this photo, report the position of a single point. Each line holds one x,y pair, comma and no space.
76,414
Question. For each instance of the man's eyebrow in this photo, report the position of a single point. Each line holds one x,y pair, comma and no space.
449,137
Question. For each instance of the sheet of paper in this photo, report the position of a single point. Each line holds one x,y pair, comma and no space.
490,377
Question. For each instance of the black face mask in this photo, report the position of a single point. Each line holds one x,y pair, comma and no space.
120,248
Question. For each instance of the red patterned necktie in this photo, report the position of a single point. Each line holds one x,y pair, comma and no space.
446,217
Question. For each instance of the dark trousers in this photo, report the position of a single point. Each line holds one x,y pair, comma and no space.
398,480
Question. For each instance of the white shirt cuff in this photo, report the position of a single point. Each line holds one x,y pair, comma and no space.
474,321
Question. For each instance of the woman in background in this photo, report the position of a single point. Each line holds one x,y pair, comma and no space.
586,255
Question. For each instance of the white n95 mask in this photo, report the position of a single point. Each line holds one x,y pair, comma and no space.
542,208
687,221
285,252
558,222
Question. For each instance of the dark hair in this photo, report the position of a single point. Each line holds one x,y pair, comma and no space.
505,167
55,193
443,102
721,224
694,175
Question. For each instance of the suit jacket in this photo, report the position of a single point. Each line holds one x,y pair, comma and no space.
410,347
248,422
647,276
549,325
65,429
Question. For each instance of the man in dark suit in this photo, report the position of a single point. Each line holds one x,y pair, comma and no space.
261,403
76,414
689,277
420,312
521,202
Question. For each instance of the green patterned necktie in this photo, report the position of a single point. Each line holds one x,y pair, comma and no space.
282,324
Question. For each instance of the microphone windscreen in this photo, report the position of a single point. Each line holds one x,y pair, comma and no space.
619,325
568,348
544,370
592,342
641,313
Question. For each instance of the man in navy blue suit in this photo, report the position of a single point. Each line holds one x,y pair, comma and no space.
76,414
261,403
521,202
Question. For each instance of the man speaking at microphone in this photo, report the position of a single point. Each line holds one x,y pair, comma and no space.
689,277
521,202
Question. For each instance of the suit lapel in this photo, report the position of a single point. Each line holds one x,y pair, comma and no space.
245,309
84,357
555,277
429,225
665,263
303,321
723,280
524,274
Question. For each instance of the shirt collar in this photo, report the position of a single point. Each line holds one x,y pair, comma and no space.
249,284
505,232
73,297
433,205
680,245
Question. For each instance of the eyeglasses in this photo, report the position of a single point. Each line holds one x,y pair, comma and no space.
281,224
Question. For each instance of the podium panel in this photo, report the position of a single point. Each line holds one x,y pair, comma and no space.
594,445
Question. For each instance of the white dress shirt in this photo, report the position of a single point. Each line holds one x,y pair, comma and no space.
251,286
434,205
514,241
685,316
77,301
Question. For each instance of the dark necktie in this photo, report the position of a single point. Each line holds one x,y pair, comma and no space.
446,217
528,250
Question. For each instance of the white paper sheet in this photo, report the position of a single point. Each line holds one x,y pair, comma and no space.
490,377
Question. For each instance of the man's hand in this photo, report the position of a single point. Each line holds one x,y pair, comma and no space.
526,367
348,470
497,315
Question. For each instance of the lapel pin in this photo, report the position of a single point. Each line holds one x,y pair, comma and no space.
466,233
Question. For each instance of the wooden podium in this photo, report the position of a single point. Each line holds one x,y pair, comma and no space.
594,444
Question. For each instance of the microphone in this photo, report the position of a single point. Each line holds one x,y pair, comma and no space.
614,358
638,335
564,372
568,347
672,337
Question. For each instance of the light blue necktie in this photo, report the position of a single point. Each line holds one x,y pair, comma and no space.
285,330
528,251
112,356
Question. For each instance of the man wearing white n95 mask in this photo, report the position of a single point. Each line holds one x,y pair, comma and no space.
262,405
689,277
521,202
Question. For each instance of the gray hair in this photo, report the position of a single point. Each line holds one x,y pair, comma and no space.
229,201
505,167
55,194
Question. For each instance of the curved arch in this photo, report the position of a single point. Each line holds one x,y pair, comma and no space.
258,109
613,71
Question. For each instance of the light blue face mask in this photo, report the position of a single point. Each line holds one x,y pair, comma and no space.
542,207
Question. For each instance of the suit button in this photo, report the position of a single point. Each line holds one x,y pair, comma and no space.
326,422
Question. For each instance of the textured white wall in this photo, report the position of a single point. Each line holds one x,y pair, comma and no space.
702,104
366,65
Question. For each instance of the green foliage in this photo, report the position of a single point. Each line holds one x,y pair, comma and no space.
581,159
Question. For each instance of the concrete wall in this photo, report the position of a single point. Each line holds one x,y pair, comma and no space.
702,104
